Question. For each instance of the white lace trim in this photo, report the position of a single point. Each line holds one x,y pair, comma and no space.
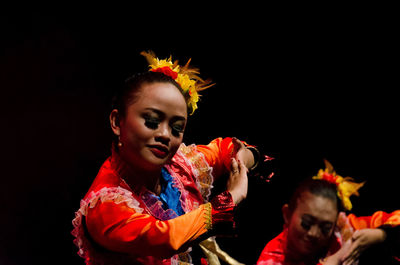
199,167
92,257
114,194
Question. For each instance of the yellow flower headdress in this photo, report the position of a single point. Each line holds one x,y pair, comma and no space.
345,186
186,76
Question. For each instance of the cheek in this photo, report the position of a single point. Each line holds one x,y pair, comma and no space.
175,143
295,228
300,231
134,131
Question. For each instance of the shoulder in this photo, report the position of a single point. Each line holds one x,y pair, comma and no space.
273,253
107,177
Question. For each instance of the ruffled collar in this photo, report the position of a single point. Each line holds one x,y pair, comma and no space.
165,206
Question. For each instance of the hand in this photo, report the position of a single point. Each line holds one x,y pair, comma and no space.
237,183
336,259
241,153
361,240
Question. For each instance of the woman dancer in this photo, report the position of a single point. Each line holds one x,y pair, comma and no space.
149,203
316,231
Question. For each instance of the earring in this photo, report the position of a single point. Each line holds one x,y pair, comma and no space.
119,142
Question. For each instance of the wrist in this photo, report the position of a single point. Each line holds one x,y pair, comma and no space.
256,157
237,197
222,212
223,200
381,235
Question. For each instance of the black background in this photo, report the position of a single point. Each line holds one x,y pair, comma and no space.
301,88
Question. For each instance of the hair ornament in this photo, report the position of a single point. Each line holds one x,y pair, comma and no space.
186,76
346,187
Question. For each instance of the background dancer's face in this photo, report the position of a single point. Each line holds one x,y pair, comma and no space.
152,127
310,224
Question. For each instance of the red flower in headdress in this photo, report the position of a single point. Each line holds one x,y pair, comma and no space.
329,177
166,70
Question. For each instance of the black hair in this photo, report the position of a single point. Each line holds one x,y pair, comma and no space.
317,187
129,91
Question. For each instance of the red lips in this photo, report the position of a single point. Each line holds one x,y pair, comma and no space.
159,151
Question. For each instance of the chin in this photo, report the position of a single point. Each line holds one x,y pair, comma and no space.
306,250
155,163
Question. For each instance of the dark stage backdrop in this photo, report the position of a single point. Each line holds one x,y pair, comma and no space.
301,93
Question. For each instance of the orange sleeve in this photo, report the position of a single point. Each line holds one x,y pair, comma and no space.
218,154
120,228
376,220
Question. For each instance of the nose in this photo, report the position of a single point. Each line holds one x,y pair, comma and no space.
163,134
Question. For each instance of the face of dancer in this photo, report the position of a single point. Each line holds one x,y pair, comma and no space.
152,128
310,225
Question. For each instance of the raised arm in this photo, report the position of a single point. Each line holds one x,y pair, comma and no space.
375,229
376,220
219,152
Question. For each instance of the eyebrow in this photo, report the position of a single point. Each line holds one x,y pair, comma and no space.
162,114
309,217
314,219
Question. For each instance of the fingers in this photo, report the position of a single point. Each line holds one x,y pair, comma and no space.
362,240
234,166
242,167
356,234
353,253
338,256
351,259
237,183
237,166
237,145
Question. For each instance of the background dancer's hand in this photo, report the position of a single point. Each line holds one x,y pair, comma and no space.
361,240
336,259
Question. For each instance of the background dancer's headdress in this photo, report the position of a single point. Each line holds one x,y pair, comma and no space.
345,186
186,76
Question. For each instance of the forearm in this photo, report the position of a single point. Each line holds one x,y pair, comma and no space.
218,154
252,157
376,220
120,229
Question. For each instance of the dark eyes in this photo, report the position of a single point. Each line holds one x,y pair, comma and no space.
306,224
151,123
154,122
177,128
325,228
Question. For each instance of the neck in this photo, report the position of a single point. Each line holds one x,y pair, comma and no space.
298,258
143,178
295,257
292,256
137,177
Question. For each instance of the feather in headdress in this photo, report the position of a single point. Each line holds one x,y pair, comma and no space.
346,187
186,76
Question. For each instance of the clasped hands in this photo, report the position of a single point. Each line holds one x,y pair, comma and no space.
352,249
241,159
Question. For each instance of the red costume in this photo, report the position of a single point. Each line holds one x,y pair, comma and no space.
274,251
118,224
